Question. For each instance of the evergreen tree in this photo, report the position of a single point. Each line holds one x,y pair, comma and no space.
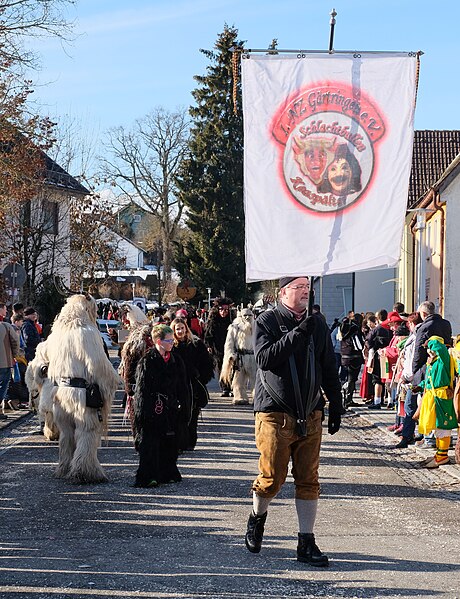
211,178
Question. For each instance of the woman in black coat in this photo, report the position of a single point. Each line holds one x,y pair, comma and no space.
215,335
200,370
159,399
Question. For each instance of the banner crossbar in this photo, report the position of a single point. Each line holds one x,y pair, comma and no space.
356,53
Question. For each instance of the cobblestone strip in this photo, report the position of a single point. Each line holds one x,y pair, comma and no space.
405,462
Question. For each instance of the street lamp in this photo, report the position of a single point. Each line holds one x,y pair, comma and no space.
208,289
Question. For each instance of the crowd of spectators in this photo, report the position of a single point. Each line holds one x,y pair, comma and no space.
21,332
408,363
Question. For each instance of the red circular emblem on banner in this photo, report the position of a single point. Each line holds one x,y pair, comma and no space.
327,136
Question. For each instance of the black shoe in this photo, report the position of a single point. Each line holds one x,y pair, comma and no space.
308,551
374,406
149,485
404,443
255,532
225,394
352,404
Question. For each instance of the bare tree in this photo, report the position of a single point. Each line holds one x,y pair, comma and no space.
31,214
143,165
75,149
23,134
22,139
24,19
93,245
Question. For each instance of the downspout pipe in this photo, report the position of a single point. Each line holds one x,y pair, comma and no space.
437,204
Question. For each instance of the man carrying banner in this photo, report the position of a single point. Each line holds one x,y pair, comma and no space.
295,357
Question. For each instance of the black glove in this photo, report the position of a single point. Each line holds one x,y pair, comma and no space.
307,326
334,420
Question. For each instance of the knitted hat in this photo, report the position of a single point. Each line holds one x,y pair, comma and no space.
286,280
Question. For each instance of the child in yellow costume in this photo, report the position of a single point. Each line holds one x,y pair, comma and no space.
437,409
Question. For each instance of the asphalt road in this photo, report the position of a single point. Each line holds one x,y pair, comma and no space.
390,528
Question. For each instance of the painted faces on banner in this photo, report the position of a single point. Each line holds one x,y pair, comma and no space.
328,137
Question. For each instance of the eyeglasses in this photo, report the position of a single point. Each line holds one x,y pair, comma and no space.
167,340
299,287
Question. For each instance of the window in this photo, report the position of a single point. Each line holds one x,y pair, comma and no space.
347,296
50,217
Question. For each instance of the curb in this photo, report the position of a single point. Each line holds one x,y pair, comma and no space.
452,469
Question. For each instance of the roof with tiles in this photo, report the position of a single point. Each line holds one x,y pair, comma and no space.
57,177
54,175
433,153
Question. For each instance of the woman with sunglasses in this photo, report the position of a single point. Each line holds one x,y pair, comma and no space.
160,395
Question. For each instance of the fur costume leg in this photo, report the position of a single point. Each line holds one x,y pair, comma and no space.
42,392
45,410
85,466
239,385
50,430
244,379
66,425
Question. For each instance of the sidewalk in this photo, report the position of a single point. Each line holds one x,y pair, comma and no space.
383,418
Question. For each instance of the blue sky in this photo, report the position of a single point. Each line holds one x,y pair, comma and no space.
130,57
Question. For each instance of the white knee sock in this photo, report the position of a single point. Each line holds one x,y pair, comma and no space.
306,513
260,504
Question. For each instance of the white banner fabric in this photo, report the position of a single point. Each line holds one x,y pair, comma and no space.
327,158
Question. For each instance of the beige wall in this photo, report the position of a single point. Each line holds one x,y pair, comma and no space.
405,270
451,196
433,257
